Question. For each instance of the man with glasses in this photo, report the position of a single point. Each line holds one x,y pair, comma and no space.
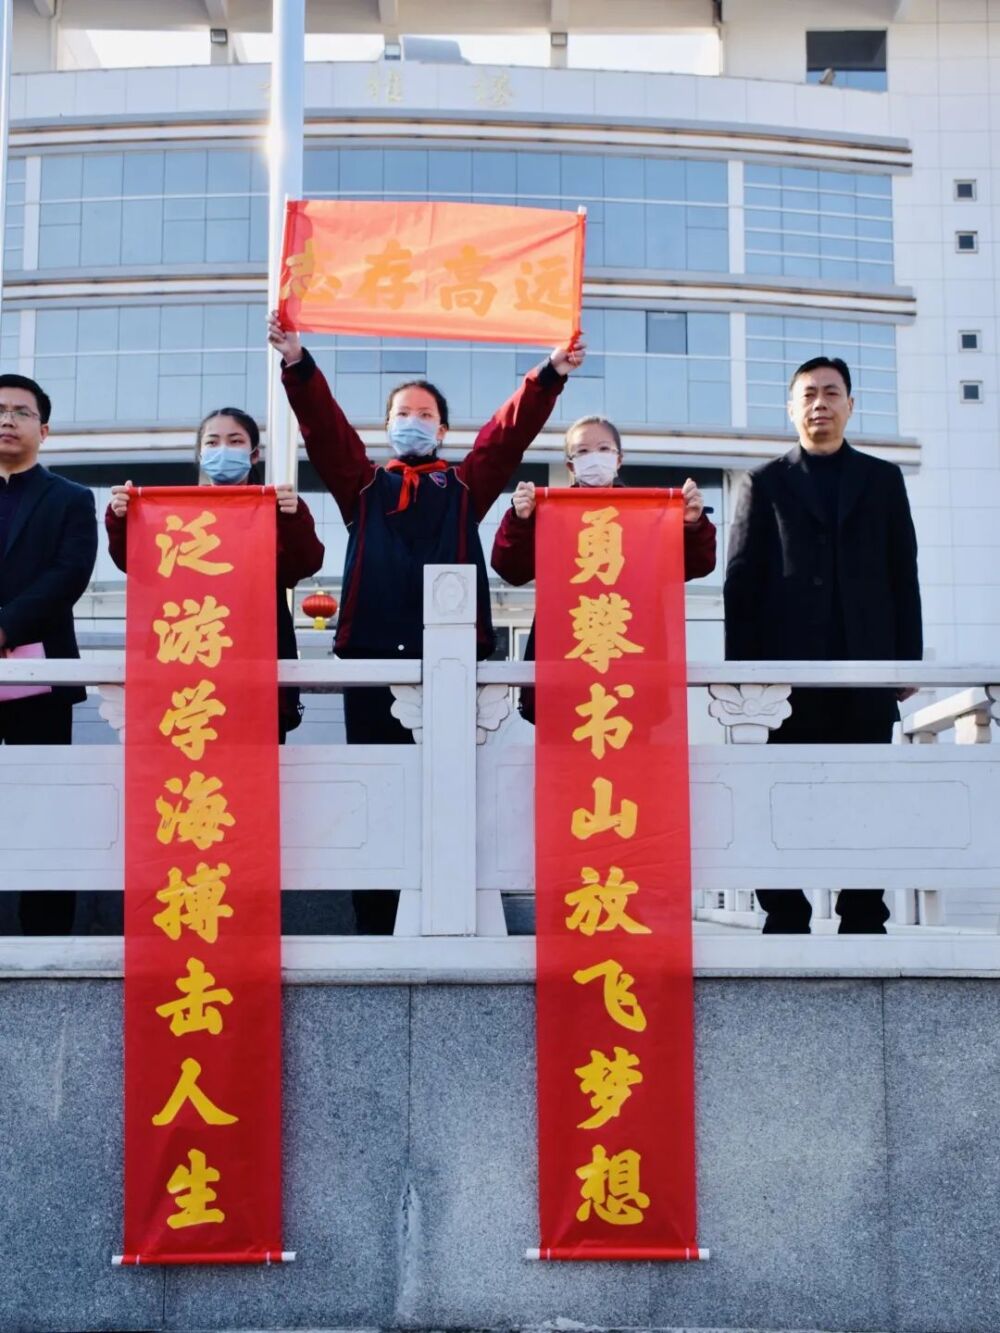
48,545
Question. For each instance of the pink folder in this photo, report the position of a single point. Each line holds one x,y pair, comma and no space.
9,692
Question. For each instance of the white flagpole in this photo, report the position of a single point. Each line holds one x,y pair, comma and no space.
284,154
6,40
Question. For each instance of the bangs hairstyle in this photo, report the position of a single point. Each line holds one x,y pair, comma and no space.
609,426
823,363
245,420
42,400
432,389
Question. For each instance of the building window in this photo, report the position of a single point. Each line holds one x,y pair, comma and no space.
968,340
854,59
776,346
965,189
802,223
972,391
967,242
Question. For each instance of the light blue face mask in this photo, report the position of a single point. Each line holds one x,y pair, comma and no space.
410,435
225,464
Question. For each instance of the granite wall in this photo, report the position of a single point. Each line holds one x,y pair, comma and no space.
849,1166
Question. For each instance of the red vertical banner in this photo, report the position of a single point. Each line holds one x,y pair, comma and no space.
613,879
202,879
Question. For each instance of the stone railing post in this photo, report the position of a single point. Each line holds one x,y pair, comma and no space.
750,712
448,717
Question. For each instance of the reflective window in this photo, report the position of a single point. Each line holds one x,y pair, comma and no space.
776,346
187,207
641,213
635,372
818,224
851,59
145,364
176,207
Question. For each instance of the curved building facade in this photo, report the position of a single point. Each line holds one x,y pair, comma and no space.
736,225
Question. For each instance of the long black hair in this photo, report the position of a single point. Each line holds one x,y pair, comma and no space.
255,477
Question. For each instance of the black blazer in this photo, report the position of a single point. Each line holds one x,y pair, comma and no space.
46,565
780,575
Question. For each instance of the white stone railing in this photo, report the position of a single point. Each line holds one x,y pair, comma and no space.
449,823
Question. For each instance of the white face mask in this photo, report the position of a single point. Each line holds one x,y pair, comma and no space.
598,469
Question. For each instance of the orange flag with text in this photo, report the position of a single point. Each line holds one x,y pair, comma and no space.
476,272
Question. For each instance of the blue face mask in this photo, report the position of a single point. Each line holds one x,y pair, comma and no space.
410,435
225,464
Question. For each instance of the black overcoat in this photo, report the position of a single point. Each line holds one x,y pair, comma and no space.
787,577
46,565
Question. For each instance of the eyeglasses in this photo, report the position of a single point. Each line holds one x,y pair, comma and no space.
18,413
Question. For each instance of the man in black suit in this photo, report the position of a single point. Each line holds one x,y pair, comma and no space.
823,566
48,545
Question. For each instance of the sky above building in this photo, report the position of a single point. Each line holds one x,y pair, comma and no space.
682,53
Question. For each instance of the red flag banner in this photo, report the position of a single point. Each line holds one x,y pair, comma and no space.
477,272
202,879
613,879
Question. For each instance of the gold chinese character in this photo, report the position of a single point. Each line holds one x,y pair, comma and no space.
545,287
493,89
187,1090
189,718
383,283
306,275
608,1083
189,553
391,91
468,291
202,820
599,547
611,1187
619,1001
585,823
195,902
609,900
196,1012
195,1179
195,636
599,625
600,728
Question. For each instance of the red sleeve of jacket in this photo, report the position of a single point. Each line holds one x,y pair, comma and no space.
699,548
333,445
117,530
513,555
502,442
300,551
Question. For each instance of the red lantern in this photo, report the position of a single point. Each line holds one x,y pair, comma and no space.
321,606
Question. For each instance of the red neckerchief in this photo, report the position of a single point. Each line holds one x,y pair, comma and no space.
412,472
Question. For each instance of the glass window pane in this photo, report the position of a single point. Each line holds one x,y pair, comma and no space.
101,235
665,179
360,171
102,175
58,247
62,177
229,171
666,332
55,331
185,173
708,181
142,231
143,173
321,171
450,172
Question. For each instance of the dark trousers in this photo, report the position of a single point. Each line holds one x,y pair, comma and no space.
368,721
41,719
846,717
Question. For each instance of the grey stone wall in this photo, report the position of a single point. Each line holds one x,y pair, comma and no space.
849,1166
